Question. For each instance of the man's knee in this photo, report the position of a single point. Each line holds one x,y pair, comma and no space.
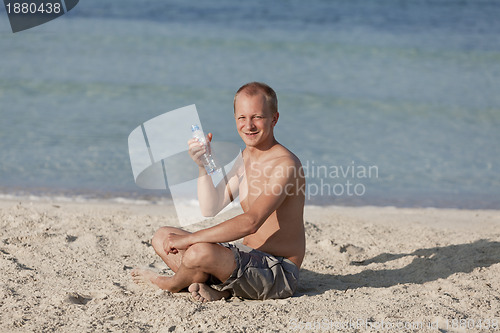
199,255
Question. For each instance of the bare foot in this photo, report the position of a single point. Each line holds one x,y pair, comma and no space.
145,277
203,293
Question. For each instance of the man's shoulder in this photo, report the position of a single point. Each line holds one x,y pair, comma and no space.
285,163
283,156
277,161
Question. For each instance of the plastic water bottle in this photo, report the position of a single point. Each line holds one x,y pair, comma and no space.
207,158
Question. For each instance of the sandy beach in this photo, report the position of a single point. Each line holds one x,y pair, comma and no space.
66,268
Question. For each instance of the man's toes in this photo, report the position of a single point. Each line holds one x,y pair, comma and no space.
194,288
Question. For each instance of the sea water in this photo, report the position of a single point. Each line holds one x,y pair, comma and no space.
385,102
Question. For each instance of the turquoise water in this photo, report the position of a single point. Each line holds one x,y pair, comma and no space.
408,88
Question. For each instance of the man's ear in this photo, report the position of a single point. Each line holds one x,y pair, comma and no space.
275,118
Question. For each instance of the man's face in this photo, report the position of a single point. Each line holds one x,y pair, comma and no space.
254,120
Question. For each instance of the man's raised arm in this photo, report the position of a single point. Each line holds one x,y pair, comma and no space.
212,199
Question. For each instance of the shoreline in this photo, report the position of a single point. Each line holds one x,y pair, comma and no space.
145,197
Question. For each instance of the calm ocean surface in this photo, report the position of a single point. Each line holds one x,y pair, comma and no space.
385,102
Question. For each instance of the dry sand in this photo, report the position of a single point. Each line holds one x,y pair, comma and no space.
66,267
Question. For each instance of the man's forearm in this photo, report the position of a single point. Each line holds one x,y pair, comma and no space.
227,231
207,194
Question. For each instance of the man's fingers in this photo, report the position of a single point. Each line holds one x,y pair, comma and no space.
171,250
196,151
167,245
195,145
199,153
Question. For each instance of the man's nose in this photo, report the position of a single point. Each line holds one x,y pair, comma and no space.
250,124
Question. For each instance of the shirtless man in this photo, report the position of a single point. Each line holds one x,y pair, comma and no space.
271,189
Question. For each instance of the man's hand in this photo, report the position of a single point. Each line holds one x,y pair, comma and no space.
197,149
174,243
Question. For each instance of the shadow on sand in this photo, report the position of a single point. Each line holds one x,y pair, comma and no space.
428,265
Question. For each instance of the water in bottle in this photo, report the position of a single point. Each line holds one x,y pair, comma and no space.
207,158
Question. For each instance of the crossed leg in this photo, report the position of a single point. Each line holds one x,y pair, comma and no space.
192,267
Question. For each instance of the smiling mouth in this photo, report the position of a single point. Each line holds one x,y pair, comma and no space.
251,134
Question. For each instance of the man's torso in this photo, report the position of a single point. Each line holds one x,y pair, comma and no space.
282,234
